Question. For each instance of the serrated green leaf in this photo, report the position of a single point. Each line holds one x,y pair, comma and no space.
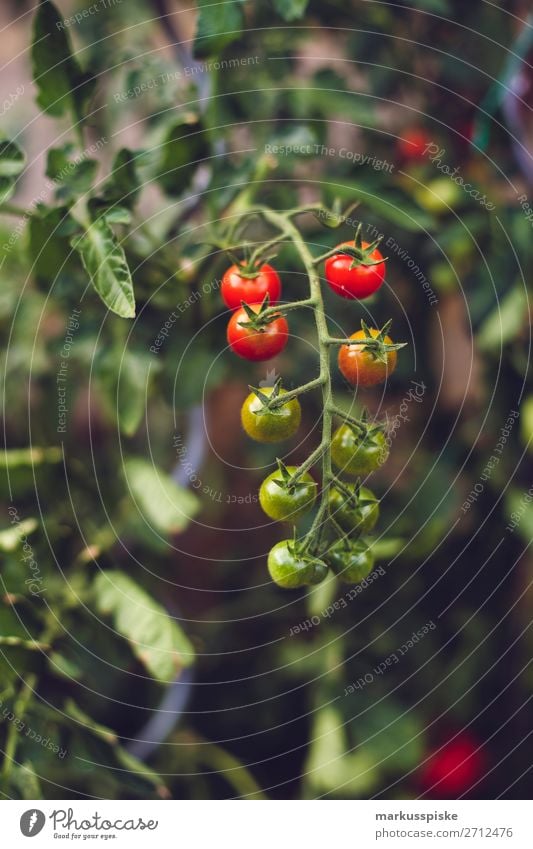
73,177
123,185
164,504
505,321
218,25
124,377
10,538
154,636
49,244
105,262
291,10
12,159
61,83
29,457
24,783
184,145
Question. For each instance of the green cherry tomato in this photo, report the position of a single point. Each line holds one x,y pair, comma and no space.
356,456
351,564
283,503
438,197
290,570
270,425
357,518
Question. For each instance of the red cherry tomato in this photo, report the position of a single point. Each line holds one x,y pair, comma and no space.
236,287
358,282
453,768
256,344
413,144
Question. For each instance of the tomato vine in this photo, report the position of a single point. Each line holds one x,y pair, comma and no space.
377,354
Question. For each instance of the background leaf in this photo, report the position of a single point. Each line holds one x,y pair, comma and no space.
61,83
164,504
105,262
154,636
219,24
291,10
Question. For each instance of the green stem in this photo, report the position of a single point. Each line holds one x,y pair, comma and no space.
284,224
263,248
341,486
307,464
341,532
281,309
318,259
294,393
19,709
367,344
13,209
336,411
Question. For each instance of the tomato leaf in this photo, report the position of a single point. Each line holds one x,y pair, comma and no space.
291,10
12,161
163,504
11,538
49,245
219,24
62,85
184,146
105,262
124,376
505,322
154,636
123,185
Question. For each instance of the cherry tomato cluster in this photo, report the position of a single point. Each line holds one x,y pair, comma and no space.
249,292
257,331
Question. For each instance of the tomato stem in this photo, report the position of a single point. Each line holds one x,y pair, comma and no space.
294,393
307,464
292,305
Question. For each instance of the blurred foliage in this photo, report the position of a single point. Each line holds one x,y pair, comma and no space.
109,587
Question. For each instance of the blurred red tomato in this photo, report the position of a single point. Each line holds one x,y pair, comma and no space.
453,768
413,144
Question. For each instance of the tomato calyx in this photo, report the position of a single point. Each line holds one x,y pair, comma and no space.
376,345
352,494
362,255
334,218
267,405
250,266
300,551
290,482
258,321
365,431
